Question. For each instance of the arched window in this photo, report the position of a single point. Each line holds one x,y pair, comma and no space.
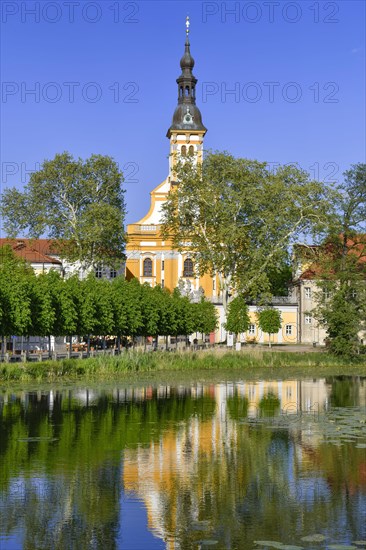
187,91
147,267
183,150
181,91
188,268
191,150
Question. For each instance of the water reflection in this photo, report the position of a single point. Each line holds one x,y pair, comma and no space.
184,467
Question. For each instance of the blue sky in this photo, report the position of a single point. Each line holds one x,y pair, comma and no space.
104,79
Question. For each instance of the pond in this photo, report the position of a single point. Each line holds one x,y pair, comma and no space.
254,464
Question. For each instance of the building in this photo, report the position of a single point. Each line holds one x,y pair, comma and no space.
42,255
150,258
37,252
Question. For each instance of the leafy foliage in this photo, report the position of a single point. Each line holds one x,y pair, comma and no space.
78,203
237,317
240,217
48,304
269,320
340,265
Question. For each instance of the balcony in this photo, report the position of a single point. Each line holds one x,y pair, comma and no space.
143,229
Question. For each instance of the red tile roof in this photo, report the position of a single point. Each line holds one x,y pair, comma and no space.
35,251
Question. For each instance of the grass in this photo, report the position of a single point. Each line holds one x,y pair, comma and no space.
135,365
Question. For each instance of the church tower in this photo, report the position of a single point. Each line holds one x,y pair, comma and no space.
151,259
187,130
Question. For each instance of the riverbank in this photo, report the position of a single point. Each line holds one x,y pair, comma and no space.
136,365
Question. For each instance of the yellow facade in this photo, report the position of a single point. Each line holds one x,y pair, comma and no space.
145,242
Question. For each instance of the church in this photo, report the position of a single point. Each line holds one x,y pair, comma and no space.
152,260
149,258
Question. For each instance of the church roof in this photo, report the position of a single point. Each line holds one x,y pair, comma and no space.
187,115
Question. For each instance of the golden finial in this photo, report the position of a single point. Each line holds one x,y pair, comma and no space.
187,25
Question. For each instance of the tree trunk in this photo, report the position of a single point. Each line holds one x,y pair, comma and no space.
119,344
269,340
88,345
49,346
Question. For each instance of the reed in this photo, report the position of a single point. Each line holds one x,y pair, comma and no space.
248,362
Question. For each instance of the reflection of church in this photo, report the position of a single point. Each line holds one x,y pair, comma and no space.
183,460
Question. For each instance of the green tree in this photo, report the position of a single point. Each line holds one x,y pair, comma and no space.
240,217
269,321
340,266
70,307
204,317
237,316
45,305
16,283
78,203
134,309
97,314
119,303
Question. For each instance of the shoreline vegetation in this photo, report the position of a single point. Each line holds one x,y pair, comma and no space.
135,365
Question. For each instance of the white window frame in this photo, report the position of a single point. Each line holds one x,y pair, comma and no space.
308,319
288,330
251,329
307,290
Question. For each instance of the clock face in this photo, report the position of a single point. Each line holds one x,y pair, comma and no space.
188,118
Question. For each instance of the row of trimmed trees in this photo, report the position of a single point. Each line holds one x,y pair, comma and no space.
47,305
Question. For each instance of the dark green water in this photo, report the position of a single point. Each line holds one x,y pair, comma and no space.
229,465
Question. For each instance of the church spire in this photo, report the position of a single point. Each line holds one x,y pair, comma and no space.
187,115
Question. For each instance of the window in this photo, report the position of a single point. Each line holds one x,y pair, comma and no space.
307,292
113,273
187,91
162,265
288,330
98,272
353,293
326,293
251,329
183,150
181,91
191,150
288,392
188,268
147,267
308,319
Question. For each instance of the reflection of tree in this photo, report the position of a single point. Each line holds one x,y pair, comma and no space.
238,406
345,391
202,472
74,500
269,405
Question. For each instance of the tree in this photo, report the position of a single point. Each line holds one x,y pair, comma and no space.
269,321
240,217
237,316
340,266
204,317
78,203
16,280
118,296
97,314
45,306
